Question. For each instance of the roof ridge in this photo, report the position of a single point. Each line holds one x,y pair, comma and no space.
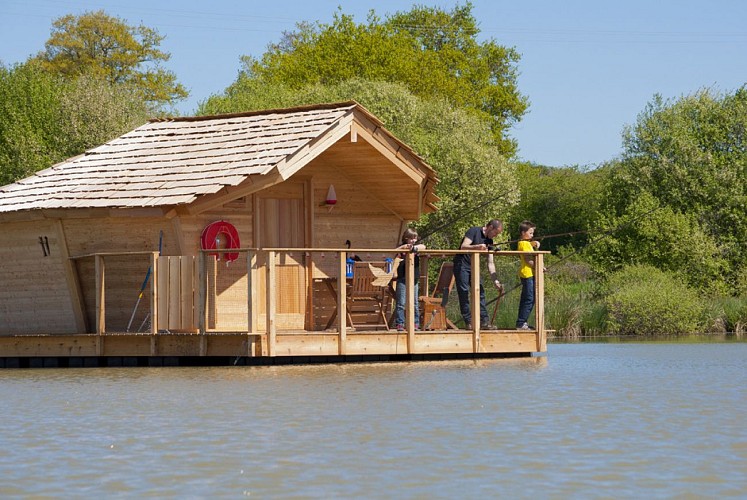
295,109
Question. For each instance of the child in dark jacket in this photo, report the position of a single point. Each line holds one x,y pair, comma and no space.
409,244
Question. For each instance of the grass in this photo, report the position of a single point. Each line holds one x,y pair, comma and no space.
576,309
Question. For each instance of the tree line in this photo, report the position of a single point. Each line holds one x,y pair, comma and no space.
672,209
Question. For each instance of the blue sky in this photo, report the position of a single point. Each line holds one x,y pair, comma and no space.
588,67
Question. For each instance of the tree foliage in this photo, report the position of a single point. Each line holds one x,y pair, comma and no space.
644,300
691,156
559,201
652,234
107,48
455,143
45,118
432,52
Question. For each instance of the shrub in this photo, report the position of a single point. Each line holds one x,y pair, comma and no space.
727,315
643,300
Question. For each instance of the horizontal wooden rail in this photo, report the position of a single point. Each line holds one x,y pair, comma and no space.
429,252
111,254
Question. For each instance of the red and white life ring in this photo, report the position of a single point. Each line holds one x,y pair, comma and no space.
221,235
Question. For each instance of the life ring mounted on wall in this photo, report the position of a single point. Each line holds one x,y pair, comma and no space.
221,235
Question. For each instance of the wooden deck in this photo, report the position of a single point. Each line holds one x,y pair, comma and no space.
137,349
260,336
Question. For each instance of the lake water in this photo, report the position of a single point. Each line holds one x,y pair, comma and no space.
592,420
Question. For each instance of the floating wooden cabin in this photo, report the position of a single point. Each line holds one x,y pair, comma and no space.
222,237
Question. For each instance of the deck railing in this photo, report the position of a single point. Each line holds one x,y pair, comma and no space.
263,282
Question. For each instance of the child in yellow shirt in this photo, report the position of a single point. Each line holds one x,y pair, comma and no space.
526,274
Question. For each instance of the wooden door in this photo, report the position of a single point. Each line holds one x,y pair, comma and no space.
281,223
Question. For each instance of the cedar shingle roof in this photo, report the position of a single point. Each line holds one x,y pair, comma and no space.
174,161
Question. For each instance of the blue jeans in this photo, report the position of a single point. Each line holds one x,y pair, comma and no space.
463,279
399,311
526,302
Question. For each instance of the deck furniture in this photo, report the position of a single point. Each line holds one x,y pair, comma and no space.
434,305
367,296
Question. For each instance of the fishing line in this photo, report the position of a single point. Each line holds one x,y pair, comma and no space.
540,238
464,214
590,243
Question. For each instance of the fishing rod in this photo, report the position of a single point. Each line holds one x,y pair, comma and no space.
464,214
145,283
604,235
540,238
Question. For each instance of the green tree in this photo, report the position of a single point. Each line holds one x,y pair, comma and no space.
560,201
107,48
432,52
455,143
652,234
45,118
690,154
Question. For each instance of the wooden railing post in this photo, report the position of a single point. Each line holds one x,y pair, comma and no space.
251,295
270,309
410,301
474,301
201,293
342,305
154,293
539,302
100,271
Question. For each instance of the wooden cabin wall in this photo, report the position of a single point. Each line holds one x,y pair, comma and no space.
238,212
357,216
227,282
124,275
34,293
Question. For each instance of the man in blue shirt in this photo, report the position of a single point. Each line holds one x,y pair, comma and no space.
476,238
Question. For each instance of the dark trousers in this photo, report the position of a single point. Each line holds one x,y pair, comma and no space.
526,302
463,279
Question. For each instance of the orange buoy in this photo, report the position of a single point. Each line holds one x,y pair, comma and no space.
221,235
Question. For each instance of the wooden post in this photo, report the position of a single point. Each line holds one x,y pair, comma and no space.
474,301
342,305
251,295
71,276
201,306
173,298
424,266
270,309
308,262
410,301
163,293
539,302
154,293
100,295
203,345
187,287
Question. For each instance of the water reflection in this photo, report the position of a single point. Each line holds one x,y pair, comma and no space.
593,420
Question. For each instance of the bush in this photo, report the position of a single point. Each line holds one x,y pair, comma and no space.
727,315
571,299
643,300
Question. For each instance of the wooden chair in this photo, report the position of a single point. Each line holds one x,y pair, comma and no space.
367,295
434,305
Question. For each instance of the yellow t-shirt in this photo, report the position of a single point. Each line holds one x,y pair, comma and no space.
525,271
